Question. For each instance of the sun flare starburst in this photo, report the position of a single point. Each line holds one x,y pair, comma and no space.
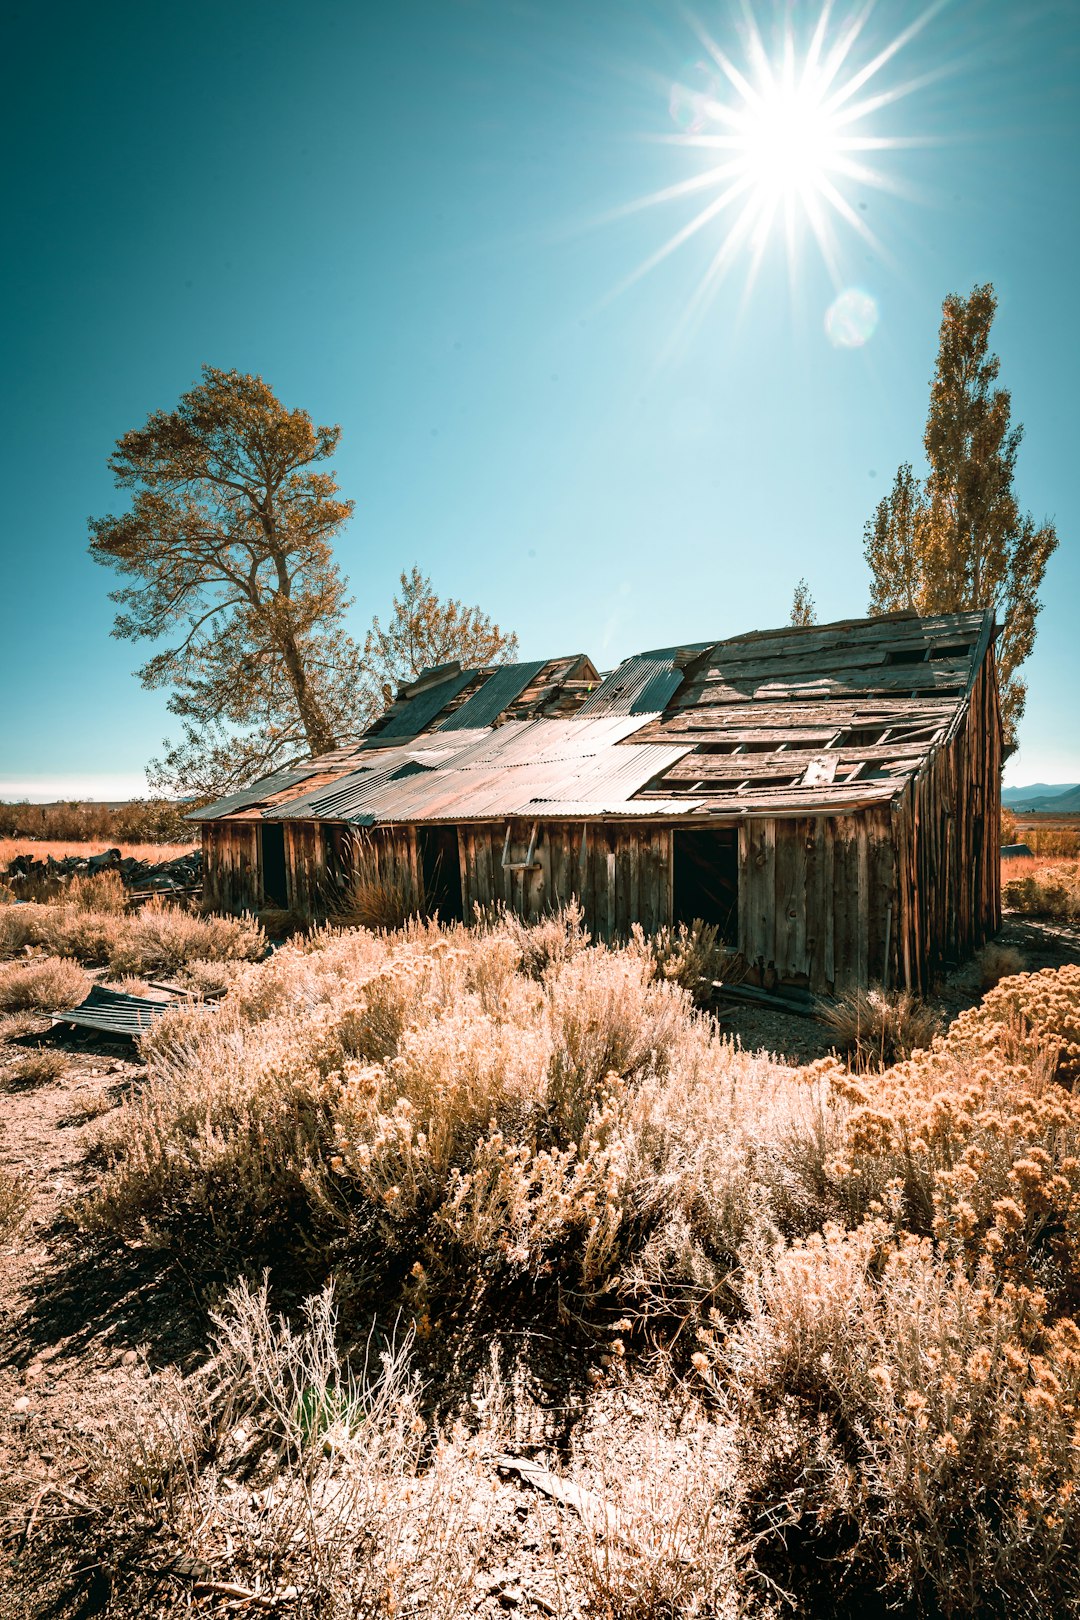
789,133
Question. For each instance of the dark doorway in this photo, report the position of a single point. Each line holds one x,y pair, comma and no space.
275,886
442,872
705,878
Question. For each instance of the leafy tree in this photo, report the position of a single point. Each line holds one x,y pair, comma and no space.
803,609
423,632
228,545
959,541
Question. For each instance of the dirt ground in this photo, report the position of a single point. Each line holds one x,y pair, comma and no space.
78,1324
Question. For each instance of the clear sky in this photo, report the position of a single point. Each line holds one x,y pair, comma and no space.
413,219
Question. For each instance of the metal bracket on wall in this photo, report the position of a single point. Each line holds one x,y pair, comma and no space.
528,864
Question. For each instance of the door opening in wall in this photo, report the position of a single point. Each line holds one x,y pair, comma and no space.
275,886
442,872
705,878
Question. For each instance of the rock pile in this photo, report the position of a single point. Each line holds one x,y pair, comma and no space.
185,872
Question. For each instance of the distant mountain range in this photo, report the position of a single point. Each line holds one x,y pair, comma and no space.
1062,797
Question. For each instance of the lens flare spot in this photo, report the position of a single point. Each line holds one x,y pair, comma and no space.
691,97
851,319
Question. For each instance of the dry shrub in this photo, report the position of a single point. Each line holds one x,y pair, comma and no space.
38,1068
1033,1010
695,957
906,1430
97,891
355,1513
382,902
208,978
45,984
996,962
1044,889
16,1196
159,938
879,1026
654,1536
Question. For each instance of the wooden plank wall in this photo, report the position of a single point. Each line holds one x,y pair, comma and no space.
948,842
814,899
230,852
319,857
620,874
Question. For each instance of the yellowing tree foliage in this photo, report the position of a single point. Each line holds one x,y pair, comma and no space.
803,609
423,632
228,543
958,541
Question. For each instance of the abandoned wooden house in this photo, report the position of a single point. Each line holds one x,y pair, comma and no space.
827,795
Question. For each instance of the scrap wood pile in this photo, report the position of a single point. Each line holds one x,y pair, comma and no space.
181,874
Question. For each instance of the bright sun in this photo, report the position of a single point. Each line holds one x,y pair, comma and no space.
790,129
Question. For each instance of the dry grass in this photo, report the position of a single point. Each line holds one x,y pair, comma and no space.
59,848
37,1068
16,1196
996,962
877,1027
157,939
46,984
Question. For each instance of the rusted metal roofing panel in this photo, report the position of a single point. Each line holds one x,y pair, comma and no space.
426,706
483,707
634,808
626,688
115,1013
257,793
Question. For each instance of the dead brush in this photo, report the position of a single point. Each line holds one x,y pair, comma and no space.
38,1068
46,984
694,957
356,1513
654,1537
877,1027
891,1409
996,962
384,904
16,1196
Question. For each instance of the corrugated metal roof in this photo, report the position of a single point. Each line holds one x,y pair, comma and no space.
501,689
570,809
264,788
114,1013
641,685
421,710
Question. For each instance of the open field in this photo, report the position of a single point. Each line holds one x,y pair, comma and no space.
609,1312
58,848
1044,834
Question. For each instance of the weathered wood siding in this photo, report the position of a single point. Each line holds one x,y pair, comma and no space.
814,899
230,851
621,874
948,839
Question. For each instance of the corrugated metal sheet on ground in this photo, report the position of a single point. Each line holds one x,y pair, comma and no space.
114,1013
502,688
421,710
264,788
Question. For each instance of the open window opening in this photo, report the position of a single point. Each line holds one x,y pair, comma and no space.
705,878
441,872
906,655
275,883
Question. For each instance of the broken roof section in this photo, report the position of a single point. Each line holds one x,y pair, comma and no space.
809,719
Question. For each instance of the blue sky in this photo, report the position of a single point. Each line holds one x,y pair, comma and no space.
413,219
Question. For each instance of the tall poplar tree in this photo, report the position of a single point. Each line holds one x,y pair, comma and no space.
959,541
